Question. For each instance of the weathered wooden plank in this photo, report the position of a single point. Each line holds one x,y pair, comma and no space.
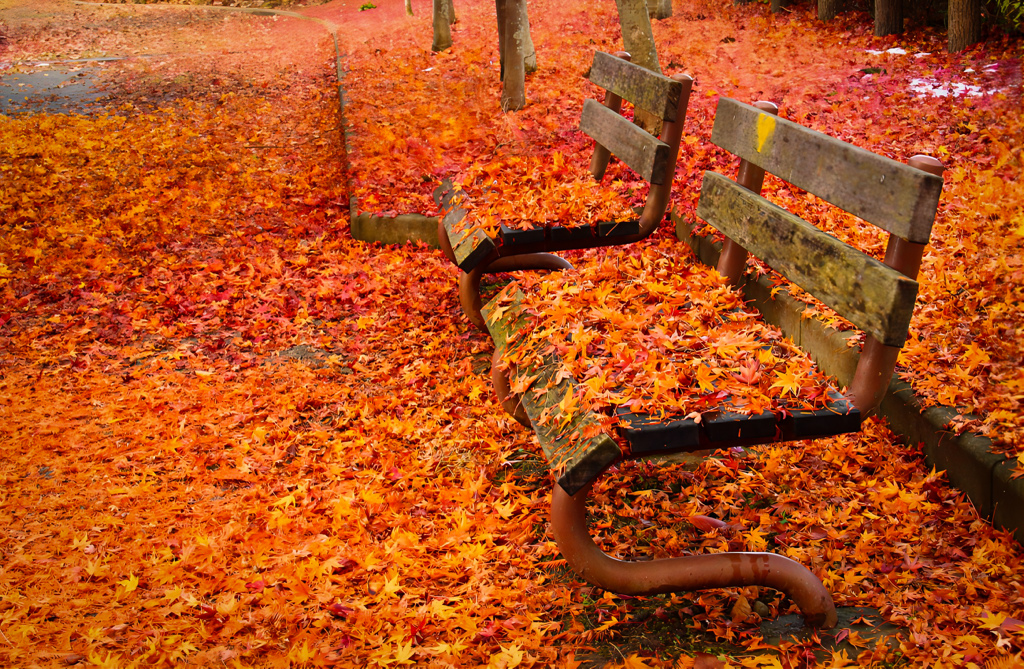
727,426
887,193
514,237
647,155
838,417
580,235
445,195
471,246
648,436
618,228
874,297
473,250
645,89
575,460
504,322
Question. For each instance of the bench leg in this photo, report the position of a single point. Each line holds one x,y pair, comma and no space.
445,242
469,282
509,402
469,296
683,574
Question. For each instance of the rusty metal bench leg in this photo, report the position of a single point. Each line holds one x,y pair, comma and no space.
509,401
445,242
696,572
469,282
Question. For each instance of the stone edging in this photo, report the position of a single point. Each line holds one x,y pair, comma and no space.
398,230
985,477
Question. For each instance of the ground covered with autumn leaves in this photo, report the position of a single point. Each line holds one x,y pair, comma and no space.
234,436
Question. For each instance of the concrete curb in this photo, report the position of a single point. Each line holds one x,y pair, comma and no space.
985,477
401,229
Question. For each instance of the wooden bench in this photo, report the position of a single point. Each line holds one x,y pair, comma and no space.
476,252
876,296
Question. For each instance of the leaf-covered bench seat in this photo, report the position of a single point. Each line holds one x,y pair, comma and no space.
643,351
645,354
555,210
534,202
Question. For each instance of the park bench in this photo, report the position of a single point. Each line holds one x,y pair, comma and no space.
476,252
877,297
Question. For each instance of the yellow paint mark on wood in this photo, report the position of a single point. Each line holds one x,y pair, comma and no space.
765,129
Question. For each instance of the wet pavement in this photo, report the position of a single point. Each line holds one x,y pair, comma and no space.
53,88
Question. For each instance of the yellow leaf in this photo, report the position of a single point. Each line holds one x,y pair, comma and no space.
506,658
285,501
129,583
788,382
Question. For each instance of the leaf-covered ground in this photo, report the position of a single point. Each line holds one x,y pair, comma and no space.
895,96
233,436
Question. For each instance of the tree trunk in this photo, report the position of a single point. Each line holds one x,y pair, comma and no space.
638,40
408,7
964,24
513,89
499,11
529,52
888,17
452,20
777,5
827,9
442,26
662,9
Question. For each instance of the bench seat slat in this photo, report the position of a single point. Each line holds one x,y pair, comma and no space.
648,436
514,237
471,246
896,197
648,90
645,154
874,297
574,459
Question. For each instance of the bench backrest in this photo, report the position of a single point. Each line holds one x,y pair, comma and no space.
652,158
878,297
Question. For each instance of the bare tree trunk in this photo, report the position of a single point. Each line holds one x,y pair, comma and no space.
513,90
442,26
452,19
530,59
888,17
408,7
499,11
827,9
529,52
662,9
964,24
638,39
